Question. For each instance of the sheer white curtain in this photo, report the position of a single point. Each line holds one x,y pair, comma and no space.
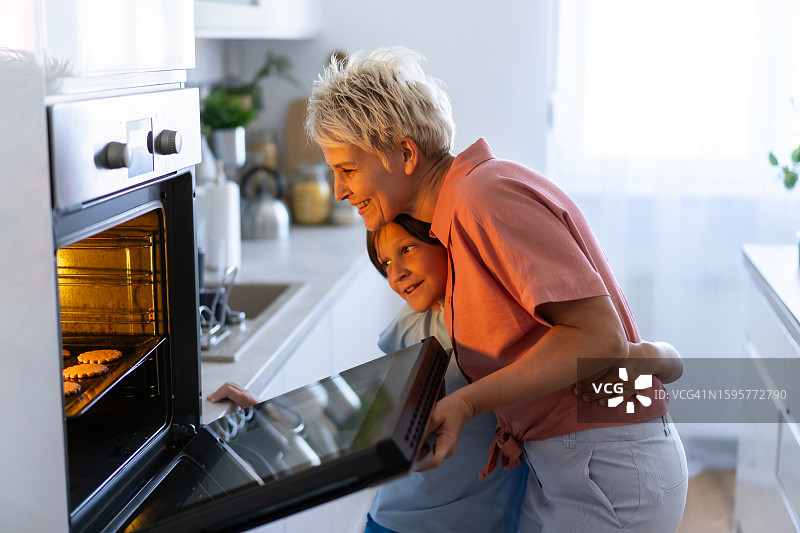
662,118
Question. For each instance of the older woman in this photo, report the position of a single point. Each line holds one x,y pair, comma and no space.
531,302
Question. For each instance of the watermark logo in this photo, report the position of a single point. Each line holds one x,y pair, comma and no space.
645,381
710,390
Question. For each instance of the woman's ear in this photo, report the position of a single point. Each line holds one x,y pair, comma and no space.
411,155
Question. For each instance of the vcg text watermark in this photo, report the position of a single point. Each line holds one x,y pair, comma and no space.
710,390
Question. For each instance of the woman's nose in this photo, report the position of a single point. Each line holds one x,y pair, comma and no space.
340,190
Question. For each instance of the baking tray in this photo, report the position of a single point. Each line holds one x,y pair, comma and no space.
135,349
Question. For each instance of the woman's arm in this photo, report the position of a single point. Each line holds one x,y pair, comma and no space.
660,359
587,329
664,360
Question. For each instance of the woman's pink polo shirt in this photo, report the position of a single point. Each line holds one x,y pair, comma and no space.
516,241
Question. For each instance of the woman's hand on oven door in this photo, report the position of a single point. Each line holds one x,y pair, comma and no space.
446,423
234,392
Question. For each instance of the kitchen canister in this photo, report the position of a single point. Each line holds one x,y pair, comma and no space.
311,194
223,223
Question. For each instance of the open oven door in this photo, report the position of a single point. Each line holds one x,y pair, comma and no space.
303,448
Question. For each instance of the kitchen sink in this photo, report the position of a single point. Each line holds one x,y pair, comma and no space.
255,298
260,303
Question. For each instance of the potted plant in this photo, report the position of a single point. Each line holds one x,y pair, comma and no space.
228,108
790,171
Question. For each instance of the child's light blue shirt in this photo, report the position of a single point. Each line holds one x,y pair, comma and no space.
449,498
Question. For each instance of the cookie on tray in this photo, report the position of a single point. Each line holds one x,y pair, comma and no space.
86,370
65,353
99,356
71,388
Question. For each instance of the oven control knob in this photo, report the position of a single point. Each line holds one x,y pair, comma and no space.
116,155
169,142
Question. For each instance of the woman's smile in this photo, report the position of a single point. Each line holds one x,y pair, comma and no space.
361,205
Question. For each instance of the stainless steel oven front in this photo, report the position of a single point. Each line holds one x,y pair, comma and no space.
123,226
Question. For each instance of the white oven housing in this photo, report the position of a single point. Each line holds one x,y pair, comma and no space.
54,52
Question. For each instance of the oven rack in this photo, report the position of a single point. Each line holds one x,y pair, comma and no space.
133,237
144,317
135,349
89,276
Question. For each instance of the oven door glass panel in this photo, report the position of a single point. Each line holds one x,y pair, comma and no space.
300,449
109,283
110,294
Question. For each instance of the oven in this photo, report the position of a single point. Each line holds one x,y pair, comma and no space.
123,229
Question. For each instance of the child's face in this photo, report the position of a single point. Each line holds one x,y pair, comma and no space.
416,270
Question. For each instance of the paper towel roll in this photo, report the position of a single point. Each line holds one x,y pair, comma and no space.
223,226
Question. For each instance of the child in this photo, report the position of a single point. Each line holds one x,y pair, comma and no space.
450,496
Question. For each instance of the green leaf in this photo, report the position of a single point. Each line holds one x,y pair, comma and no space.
789,178
796,155
773,160
232,106
227,108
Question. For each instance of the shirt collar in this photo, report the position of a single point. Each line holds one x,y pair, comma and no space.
462,165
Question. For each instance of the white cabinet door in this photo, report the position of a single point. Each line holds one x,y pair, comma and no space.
761,497
759,505
276,387
364,309
311,360
350,512
256,19
789,463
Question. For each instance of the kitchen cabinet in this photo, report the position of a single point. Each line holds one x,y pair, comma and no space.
256,19
311,360
345,515
767,482
342,336
364,309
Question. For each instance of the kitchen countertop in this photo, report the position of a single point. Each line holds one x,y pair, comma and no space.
775,270
321,257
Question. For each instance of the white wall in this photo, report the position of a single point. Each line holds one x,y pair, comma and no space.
33,462
491,56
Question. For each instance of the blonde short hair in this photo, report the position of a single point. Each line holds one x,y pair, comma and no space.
373,101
